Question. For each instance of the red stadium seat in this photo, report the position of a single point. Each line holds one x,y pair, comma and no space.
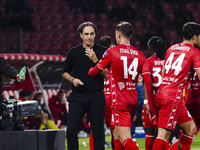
79,18
26,36
55,46
57,27
53,9
42,9
25,47
196,17
35,36
91,17
44,46
46,36
64,9
151,17
45,19
168,8
45,27
33,46
57,19
44,2
58,36
66,45
191,7
35,18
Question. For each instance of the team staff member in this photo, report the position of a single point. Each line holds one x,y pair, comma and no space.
126,63
87,92
179,59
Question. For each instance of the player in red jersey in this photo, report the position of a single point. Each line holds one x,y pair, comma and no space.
126,62
155,63
192,99
179,59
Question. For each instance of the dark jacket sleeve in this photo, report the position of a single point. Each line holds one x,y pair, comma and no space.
6,69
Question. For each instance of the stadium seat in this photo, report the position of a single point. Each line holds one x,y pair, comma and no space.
91,17
191,7
35,36
44,2
53,9
58,36
42,9
57,19
46,36
33,46
196,17
57,27
55,46
79,18
16,94
64,9
66,46
151,17
45,19
26,36
168,8
45,27
25,47
44,46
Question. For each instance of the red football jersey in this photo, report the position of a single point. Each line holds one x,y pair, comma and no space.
126,63
179,59
155,67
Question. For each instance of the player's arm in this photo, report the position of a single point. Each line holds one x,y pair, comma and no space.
198,72
146,106
149,90
91,54
75,81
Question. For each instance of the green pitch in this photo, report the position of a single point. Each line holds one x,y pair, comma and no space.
84,143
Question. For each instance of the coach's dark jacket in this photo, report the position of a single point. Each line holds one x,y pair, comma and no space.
7,70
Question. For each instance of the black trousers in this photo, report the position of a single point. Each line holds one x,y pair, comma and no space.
94,105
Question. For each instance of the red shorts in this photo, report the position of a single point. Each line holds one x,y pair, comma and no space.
146,121
122,115
171,112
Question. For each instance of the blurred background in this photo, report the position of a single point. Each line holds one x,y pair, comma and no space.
50,26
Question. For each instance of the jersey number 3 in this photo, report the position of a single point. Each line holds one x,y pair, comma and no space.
176,65
132,69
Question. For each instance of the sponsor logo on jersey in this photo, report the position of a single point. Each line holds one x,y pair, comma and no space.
121,85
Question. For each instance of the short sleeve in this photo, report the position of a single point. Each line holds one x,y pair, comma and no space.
105,60
195,59
68,63
145,68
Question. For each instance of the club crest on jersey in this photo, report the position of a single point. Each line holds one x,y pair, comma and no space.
105,53
121,85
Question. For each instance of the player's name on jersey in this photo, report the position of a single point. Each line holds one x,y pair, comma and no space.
128,51
158,62
183,48
169,79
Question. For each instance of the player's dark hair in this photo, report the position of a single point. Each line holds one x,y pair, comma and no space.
105,41
125,28
84,24
158,46
190,29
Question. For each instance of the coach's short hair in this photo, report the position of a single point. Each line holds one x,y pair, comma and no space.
125,28
190,29
84,24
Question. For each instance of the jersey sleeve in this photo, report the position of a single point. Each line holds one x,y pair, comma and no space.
105,60
145,68
195,59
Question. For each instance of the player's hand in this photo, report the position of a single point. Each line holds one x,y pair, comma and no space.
146,108
91,54
76,82
152,113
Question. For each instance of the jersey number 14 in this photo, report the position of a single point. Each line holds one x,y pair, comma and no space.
132,69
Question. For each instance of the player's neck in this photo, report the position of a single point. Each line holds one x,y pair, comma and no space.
125,42
88,46
189,42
